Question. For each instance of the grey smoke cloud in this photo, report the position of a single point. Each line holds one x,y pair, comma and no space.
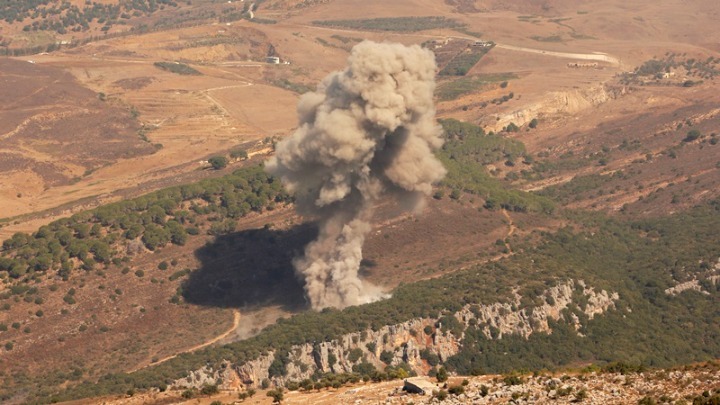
367,131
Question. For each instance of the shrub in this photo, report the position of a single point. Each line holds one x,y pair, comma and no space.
512,379
209,390
440,395
692,135
276,395
218,162
386,357
442,375
189,393
239,154
355,355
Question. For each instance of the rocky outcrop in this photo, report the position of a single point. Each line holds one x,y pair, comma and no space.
692,285
660,386
405,342
206,376
560,103
695,284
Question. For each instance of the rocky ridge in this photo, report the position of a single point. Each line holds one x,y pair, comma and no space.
687,386
405,342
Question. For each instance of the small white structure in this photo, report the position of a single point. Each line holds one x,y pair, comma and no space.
272,59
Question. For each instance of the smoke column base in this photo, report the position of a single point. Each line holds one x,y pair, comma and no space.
367,131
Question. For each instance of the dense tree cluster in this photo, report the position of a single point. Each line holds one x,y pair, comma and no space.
101,236
62,16
466,152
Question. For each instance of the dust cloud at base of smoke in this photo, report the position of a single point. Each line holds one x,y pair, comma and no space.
368,131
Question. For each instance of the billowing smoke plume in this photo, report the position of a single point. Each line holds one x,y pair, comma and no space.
368,130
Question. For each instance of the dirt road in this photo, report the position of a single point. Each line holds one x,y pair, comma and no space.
236,323
597,56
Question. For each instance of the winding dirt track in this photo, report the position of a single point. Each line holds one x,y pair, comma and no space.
236,323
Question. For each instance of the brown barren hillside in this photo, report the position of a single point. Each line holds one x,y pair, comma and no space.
240,98
54,131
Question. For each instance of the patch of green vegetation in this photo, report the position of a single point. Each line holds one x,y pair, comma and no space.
565,162
578,186
399,24
339,42
452,89
178,67
661,68
61,17
469,32
618,257
561,22
551,38
207,42
346,40
323,42
466,152
264,21
576,35
99,237
464,61
286,84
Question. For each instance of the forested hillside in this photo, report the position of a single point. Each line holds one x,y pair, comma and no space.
661,276
63,17
647,326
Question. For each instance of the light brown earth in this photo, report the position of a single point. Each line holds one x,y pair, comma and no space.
195,117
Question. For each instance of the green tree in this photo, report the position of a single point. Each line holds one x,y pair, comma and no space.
218,162
155,237
209,390
178,234
692,135
442,375
276,395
